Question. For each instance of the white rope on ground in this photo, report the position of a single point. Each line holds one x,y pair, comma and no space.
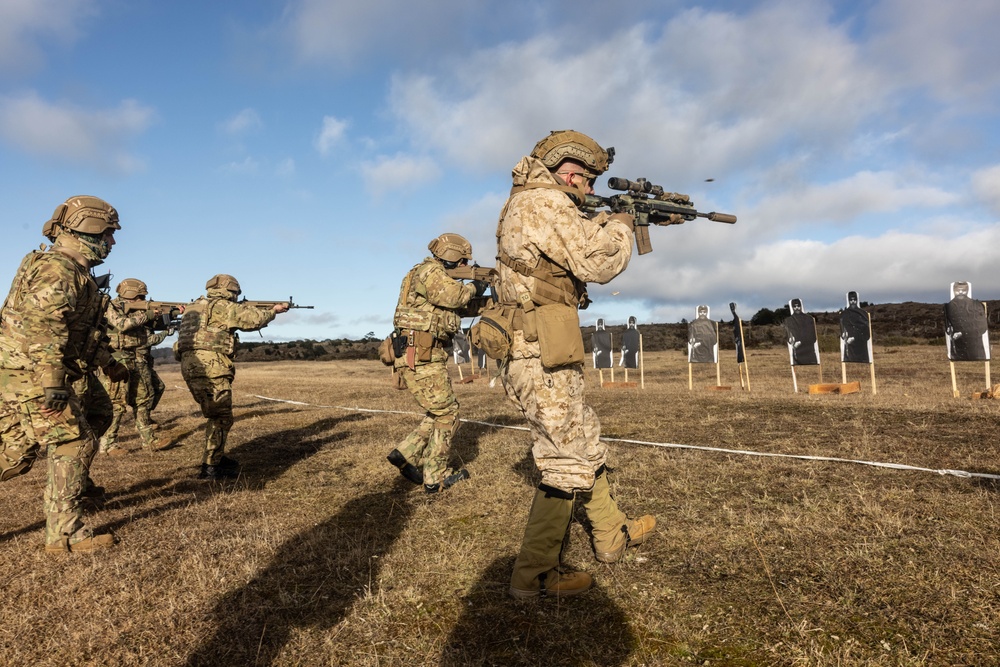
719,450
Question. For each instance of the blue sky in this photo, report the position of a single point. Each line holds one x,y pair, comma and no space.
313,148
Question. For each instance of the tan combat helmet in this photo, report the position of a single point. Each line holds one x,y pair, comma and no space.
451,248
224,281
572,145
84,214
131,288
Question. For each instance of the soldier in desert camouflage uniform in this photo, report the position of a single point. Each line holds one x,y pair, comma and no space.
206,346
132,337
548,250
50,330
427,317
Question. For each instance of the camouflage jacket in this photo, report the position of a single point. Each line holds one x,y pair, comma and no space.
429,300
210,323
540,225
52,322
131,333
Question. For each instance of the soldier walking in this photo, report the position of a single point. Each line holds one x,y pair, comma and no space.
50,333
548,249
206,346
427,317
133,336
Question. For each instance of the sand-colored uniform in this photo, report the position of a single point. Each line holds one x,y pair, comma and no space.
427,314
132,339
543,222
206,345
49,327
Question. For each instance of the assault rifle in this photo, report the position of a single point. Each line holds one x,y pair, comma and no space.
486,274
650,205
170,312
271,304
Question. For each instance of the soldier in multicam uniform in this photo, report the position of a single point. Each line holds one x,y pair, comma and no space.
206,347
427,316
51,334
133,336
548,250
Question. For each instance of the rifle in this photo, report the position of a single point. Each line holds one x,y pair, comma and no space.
474,272
650,205
271,304
486,274
170,312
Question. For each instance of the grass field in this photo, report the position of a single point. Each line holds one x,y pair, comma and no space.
321,554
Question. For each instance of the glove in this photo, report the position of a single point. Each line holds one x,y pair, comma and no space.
480,286
624,218
116,371
56,398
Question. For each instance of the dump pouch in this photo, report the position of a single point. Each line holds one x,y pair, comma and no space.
386,350
559,337
494,332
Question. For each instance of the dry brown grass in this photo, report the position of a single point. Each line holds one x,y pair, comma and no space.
320,554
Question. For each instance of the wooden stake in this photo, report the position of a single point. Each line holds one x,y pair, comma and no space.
843,372
795,381
954,382
690,378
642,373
872,367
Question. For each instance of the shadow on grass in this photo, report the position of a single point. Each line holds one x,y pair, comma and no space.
589,629
312,582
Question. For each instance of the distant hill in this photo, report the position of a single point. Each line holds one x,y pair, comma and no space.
893,324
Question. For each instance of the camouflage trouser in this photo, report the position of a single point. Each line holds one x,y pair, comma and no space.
141,392
209,376
69,444
429,444
97,407
567,448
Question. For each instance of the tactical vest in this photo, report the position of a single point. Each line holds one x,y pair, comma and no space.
128,339
85,325
199,330
553,283
415,313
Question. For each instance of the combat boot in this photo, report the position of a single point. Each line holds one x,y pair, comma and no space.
406,469
217,472
19,468
611,531
449,481
537,570
88,544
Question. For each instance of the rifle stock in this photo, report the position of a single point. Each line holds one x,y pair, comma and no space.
649,205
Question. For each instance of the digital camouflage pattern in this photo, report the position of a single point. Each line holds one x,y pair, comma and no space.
48,338
428,301
206,345
545,222
132,338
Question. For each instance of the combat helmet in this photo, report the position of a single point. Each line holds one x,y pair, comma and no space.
451,249
83,214
131,288
224,281
572,145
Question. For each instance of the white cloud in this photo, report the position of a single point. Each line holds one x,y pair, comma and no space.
28,28
986,186
949,48
400,173
247,120
72,134
706,94
331,134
